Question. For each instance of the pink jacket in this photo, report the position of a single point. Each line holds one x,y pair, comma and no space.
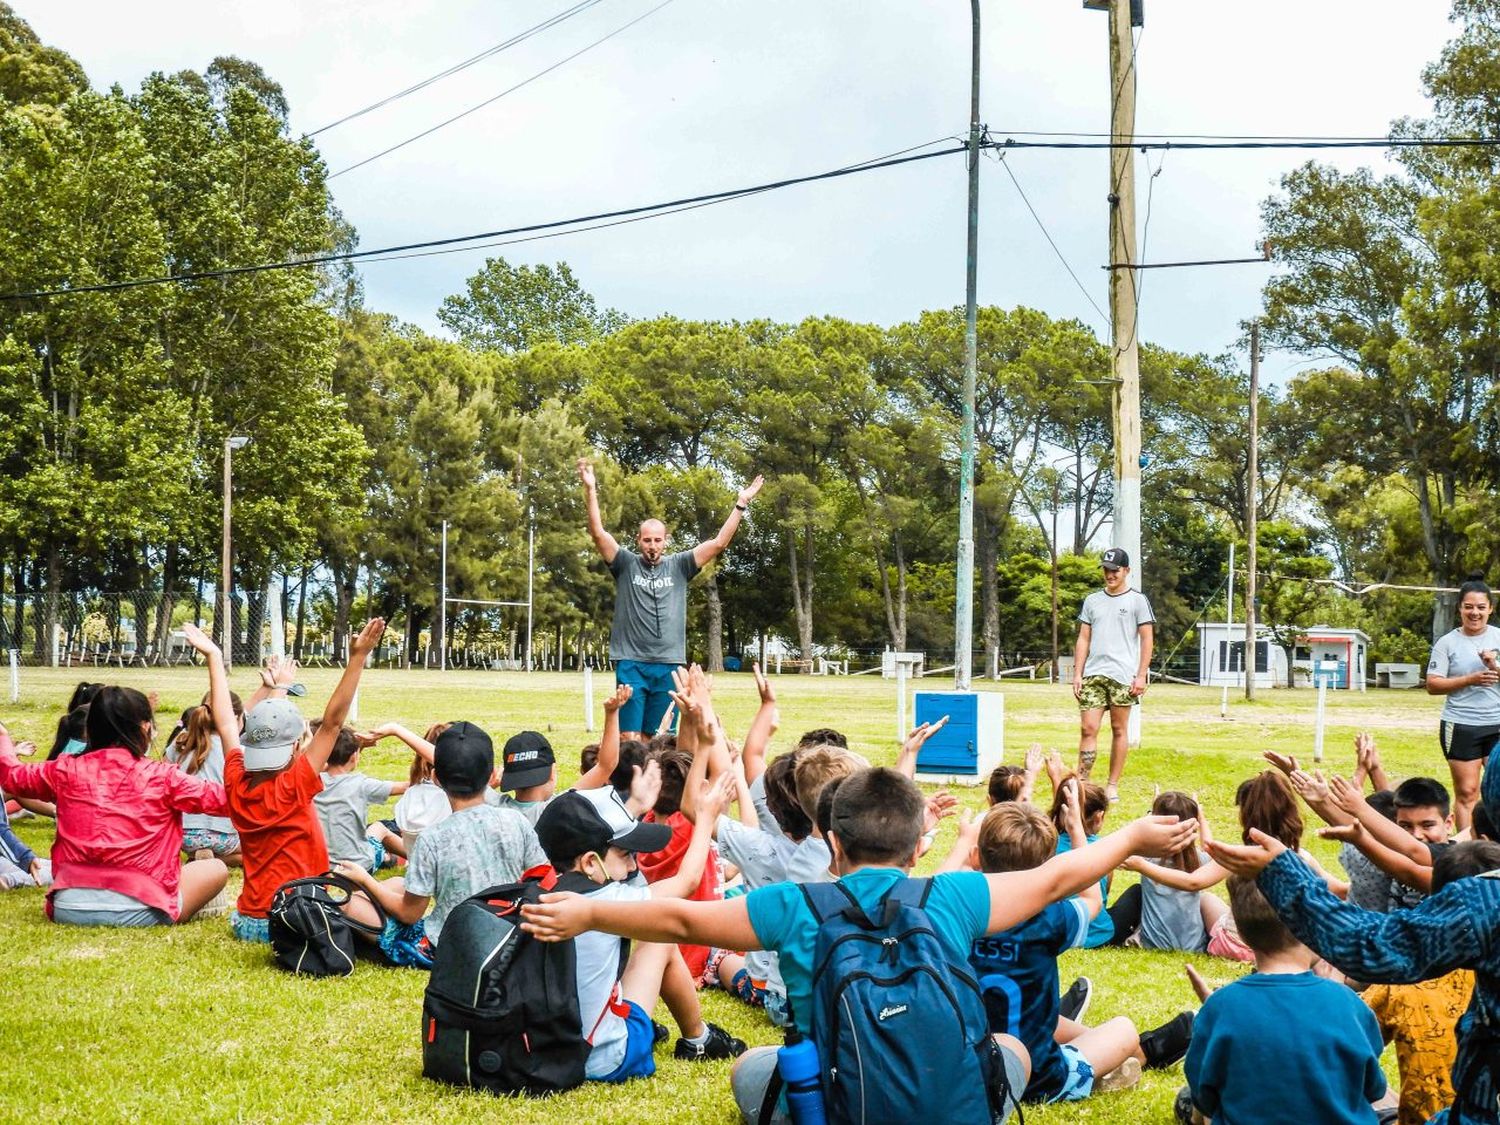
119,818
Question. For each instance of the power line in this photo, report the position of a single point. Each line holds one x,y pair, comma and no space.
355,255
490,52
637,218
1380,137
1390,142
511,90
1045,234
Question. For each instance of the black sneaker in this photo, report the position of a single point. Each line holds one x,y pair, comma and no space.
1166,1044
1075,1001
659,1033
720,1045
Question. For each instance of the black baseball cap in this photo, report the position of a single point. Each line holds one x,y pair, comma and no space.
463,758
527,759
1114,558
590,820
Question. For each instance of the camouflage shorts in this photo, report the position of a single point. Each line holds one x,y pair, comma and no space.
1103,691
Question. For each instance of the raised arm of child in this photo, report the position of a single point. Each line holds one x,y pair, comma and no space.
1091,896
711,799
419,745
278,674
960,856
1200,879
609,742
906,760
1369,760
225,723
762,727
337,708
1353,802
1017,895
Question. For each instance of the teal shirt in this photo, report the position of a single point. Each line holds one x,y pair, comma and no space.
959,908
1102,928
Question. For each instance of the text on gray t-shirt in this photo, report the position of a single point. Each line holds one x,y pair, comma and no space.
1114,637
651,607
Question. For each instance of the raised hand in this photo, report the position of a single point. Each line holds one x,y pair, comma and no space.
919,736
1200,986
715,796
200,640
1034,758
1161,836
1072,807
1309,786
1343,833
613,703
586,473
645,786
939,805
751,490
1247,860
1286,763
1055,769
1343,793
763,685
363,644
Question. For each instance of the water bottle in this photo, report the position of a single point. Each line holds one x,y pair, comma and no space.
802,1072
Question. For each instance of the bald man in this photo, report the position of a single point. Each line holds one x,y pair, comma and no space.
649,636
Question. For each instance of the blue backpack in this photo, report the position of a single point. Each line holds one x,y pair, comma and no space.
901,1027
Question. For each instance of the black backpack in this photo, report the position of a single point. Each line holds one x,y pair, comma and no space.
310,933
501,1008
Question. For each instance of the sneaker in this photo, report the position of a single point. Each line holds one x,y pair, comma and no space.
659,1033
215,907
1123,1077
1168,1043
1075,1001
719,1045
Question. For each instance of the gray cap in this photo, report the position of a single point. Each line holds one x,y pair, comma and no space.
272,728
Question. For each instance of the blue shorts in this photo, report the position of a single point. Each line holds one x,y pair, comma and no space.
640,1042
650,694
1079,1083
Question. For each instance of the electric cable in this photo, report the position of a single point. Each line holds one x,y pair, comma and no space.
489,52
1045,234
503,93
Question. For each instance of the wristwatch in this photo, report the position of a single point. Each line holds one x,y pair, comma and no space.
741,507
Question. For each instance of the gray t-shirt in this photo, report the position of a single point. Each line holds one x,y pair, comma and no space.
474,849
531,810
1114,622
1457,654
1369,887
212,769
1171,919
651,608
344,809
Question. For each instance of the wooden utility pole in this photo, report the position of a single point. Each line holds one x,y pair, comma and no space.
1123,314
1252,481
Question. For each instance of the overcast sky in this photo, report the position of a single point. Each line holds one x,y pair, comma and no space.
711,94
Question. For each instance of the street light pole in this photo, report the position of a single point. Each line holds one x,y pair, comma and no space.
963,617
226,607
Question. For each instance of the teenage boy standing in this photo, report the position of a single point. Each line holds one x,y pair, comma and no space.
1110,661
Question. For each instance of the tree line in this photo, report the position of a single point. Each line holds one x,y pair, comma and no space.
368,433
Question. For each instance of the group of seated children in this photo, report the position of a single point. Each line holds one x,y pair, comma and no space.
700,851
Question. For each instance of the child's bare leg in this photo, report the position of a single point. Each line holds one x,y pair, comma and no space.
390,841
1110,1044
1213,908
200,881
1068,1030
731,964
361,909
655,971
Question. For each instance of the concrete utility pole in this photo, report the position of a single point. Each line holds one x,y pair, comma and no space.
1125,353
1252,482
226,584
963,615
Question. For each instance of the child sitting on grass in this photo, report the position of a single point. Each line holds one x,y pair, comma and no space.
344,808
1094,804
1017,970
875,826
1170,908
1282,1046
592,832
477,847
271,779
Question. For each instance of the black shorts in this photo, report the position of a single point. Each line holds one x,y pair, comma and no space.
1464,743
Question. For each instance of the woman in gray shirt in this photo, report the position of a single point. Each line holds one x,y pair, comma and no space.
1464,668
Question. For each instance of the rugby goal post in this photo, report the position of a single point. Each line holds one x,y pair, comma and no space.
527,604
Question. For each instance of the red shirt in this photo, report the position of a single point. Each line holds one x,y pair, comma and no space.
656,866
280,837
119,818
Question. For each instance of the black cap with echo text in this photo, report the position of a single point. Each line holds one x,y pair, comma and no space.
527,759
1114,559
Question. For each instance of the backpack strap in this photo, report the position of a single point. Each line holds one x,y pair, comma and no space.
771,1097
906,892
350,889
829,900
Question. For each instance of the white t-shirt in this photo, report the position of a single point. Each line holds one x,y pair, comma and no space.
597,956
422,806
1114,622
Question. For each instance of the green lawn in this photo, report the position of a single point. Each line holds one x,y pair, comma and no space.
187,1024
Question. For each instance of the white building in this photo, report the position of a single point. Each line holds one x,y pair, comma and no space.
1339,654
1221,656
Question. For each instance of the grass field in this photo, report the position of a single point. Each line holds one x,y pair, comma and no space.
188,1024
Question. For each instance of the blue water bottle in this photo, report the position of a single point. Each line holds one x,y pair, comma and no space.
802,1073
